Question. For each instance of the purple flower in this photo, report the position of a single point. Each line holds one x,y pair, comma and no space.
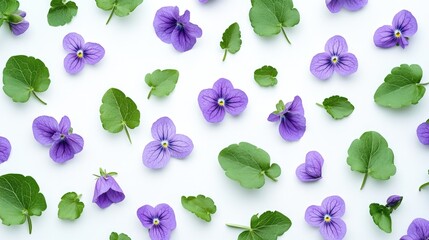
292,121
4,149
64,143
204,1
394,201
160,221
418,230
311,170
423,132
222,97
21,25
404,25
80,53
107,190
352,5
167,144
175,29
328,218
335,58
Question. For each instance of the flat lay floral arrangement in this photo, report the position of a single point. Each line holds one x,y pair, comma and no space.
261,119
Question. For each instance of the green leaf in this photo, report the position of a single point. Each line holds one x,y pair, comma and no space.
117,112
70,206
269,17
20,199
401,87
231,39
61,12
120,8
338,107
162,82
23,76
116,236
200,205
371,155
268,226
266,76
248,165
8,7
381,216
280,107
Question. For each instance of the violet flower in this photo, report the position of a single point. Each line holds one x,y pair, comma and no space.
167,144
352,5
80,53
204,1
418,230
175,29
222,97
404,25
17,24
160,221
328,218
64,143
292,121
335,58
311,170
4,149
107,190
394,201
423,133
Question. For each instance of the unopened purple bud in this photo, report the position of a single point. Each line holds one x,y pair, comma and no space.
394,201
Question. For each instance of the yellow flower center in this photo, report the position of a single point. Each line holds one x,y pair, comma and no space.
327,218
164,144
79,54
398,33
155,221
334,59
221,102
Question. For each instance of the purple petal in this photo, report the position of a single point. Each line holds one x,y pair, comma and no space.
159,233
103,201
146,215
354,5
405,22
92,52
208,102
155,156
347,64
384,37
185,17
292,126
165,22
73,64
4,149
73,42
334,230
418,229
273,117
336,45
44,128
166,216
314,216
19,28
394,201
236,102
163,129
64,125
107,191
115,196
311,170
403,42
76,142
64,150
180,146
334,5
295,106
334,206
204,1
303,176
321,66
423,133
21,13
182,40
223,87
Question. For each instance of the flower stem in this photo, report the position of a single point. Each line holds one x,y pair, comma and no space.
150,93
320,105
423,84
238,226
364,180
30,225
284,33
111,14
128,134
40,100
423,186
224,55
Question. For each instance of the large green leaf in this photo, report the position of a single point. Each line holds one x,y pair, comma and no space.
200,205
120,8
8,7
61,12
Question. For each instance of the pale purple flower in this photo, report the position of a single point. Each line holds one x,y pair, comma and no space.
394,201
64,143
418,230
172,28
404,25
328,218
335,58
423,132
292,121
311,170
20,26
167,144
204,1
80,53
223,97
160,220
352,5
107,190
4,149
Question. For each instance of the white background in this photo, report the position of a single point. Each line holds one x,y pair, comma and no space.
133,50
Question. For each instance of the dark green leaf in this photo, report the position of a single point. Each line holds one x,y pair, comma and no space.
120,8
381,216
70,206
338,107
61,12
201,206
266,76
8,7
162,82
116,236
231,39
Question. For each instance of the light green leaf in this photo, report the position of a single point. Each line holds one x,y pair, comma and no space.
231,39
162,82
61,12
401,87
23,76
70,206
371,155
116,236
200,205
338,107
381,216
266,76
117,112
20,199
248,165
120,8
8,7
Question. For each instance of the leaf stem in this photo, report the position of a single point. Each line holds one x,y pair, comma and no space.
364,180
150,93
423,84
423,186
128,134
111,14
40,100
284,33
224,55
238,226
30,224
320,105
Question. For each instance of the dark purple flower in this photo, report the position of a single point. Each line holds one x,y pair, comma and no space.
335,58
292,121
328,218
423,133
80,53
107,190
404,25
167,144
19,26
418,230
352,5
170,27
160,221
394,201
222,97
64,143
311,170
4,149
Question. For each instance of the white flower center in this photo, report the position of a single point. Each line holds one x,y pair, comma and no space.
334,59
398,33
221,102
164,144
79,54
327,218
155,221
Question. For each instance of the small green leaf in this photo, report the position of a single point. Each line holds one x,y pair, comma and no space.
266,76
162,82
338,107
23,76
200,205
120,8
371,155
381,216
231,39
247,164
117,112
8,7
70,206
280,107
401,87
116,236
61,12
